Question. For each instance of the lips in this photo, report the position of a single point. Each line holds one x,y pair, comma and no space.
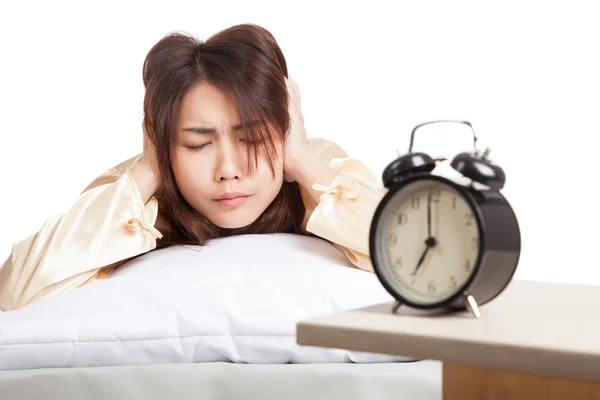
232,199
231,195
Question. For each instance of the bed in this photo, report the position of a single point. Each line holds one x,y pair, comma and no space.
216,322
407,381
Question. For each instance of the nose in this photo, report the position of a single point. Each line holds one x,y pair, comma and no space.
229,162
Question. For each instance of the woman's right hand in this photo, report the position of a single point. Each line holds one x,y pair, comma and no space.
146,172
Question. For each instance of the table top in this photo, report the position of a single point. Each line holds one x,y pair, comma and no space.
532,327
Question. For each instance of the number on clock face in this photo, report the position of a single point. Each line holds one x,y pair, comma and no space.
422,273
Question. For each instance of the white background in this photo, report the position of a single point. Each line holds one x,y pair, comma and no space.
526,74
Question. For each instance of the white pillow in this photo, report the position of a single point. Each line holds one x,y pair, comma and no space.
236,299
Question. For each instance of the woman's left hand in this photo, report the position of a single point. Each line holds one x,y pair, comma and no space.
296,142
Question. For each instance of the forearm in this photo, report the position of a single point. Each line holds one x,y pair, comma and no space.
145,179
70,248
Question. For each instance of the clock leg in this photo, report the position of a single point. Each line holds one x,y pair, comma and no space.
396,306
472,305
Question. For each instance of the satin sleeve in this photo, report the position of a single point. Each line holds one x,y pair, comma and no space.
346,208
107,224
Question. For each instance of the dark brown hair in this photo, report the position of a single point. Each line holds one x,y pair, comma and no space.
245,62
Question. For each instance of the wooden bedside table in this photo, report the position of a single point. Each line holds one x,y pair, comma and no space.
535,341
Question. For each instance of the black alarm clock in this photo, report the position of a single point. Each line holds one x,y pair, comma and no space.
436,243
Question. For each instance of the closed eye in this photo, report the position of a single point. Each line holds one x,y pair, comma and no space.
200,147
196,148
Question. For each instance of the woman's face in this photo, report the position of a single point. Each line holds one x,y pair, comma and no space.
210,161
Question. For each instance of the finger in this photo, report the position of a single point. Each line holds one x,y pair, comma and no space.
295,91
291,84
288,84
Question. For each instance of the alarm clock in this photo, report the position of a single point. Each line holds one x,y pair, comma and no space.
437,243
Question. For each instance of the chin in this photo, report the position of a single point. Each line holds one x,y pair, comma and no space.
234,223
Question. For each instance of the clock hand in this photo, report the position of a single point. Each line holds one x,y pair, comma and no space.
420,261
430,242
429,215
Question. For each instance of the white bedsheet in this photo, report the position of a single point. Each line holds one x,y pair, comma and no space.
223,381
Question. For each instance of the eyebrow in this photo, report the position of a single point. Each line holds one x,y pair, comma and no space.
204,130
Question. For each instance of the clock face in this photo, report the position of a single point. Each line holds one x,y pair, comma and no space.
428,241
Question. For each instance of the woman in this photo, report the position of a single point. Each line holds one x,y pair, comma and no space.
225,153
